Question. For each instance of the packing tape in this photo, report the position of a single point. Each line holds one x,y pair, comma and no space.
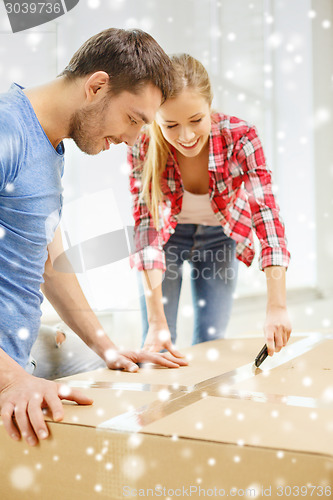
136,420
125,386
264,397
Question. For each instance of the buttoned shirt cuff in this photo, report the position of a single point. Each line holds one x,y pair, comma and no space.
275,256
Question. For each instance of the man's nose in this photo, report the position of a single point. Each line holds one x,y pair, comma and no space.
130,137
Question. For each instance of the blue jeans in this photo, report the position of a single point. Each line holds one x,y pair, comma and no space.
211,255
49,360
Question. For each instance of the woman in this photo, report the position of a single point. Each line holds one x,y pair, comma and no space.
201,186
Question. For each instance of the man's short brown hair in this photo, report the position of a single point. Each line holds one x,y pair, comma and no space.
131,58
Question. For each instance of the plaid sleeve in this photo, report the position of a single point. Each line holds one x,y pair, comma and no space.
266,220
148,242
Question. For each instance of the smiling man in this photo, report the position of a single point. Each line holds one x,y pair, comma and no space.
113,85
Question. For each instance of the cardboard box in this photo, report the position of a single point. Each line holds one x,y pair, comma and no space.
218,428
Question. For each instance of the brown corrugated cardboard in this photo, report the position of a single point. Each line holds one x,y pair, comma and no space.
216,428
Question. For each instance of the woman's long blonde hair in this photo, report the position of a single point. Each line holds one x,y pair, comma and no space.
189,73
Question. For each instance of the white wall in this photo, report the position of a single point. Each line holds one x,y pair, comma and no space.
323,134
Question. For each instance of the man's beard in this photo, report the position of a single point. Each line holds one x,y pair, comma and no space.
85,127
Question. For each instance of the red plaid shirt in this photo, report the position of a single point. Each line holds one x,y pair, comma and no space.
240,194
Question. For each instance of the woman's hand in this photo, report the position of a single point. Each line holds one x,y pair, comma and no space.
277,328
129,360
158,338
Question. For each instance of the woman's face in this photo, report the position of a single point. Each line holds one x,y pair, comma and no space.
185,122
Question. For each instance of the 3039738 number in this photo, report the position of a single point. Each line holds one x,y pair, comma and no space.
304,491
33,8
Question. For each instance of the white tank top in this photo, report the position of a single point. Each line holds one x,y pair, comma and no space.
197,209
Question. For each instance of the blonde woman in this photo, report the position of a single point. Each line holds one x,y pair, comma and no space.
200,188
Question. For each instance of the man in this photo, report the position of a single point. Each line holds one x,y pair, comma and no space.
113,85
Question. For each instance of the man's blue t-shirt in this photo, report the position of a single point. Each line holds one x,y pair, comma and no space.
30,209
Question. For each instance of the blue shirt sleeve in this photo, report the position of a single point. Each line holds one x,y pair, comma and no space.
12,148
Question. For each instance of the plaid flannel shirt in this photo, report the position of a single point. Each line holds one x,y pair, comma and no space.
240,193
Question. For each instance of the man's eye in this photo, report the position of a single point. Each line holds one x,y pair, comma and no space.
134,122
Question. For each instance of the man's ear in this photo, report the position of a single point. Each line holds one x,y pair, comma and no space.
96,85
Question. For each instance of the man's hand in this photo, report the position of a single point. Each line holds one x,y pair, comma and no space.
277,329
25,397
128,360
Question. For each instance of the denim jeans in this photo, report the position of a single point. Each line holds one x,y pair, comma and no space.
50,360
211,255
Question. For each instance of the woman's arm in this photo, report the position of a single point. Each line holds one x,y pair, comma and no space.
265,212
277,327
269,228
149,253
158,336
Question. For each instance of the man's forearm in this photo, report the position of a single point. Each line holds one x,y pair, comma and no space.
65,294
